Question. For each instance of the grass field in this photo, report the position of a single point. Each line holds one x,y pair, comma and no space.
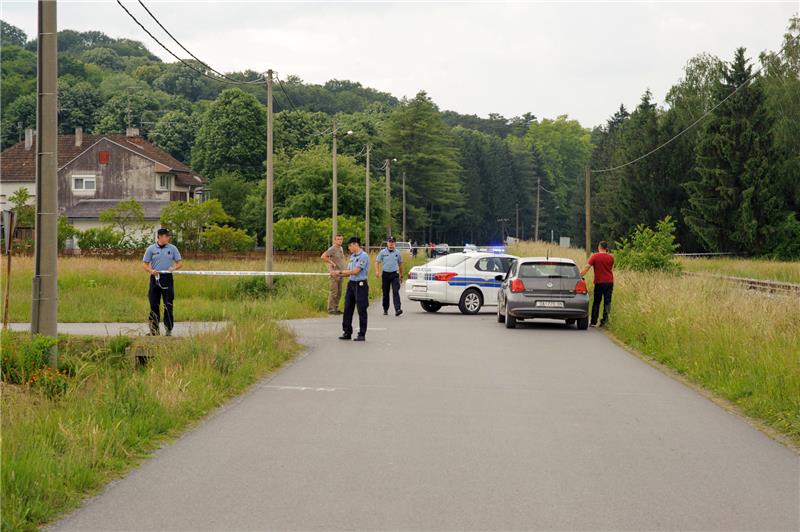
770,270
741,345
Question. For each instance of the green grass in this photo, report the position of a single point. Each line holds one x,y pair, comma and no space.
770,270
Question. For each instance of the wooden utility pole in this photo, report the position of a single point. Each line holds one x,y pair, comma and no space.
404,205
388,197
587,191
516,223
8,225
538,191
268,241
334,190
366,203
44,306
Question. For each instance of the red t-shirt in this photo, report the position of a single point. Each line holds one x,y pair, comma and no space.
602,263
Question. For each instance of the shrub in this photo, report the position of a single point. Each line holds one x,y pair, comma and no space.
21,359
648,250
226,238
307,234
788,247
65,231
100,238
51,382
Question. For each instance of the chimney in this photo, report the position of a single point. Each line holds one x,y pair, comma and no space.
28,138
132,132
78,136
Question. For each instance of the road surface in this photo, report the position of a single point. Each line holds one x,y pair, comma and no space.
452,422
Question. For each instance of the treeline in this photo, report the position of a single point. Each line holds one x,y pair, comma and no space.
730,183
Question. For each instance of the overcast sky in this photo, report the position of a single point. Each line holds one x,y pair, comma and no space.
550,58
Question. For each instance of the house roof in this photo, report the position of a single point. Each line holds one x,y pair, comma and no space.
19,165
90,209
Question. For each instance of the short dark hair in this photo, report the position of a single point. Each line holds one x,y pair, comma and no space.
354,240
163,231
604,244
337,234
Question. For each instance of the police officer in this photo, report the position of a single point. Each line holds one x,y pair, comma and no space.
161,257
389,269
357,292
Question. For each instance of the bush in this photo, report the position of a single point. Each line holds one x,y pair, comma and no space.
100,238
649,250
789,240
21,359
308,234
51,382
65,231
225,238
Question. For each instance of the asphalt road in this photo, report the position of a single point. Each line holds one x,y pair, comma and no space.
453,422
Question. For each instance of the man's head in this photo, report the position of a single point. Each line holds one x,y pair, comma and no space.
602,246
163,235
390,243
338,239
354,244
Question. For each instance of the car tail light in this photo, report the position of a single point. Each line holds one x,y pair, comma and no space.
444,276
517,285
580,287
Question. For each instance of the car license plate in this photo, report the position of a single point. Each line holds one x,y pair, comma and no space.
550,304
419,288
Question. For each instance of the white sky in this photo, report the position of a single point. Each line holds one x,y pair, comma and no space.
550,58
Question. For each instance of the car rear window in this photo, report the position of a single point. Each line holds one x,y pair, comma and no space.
448,260
553,270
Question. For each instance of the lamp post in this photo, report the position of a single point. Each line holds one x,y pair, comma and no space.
389,196
335,187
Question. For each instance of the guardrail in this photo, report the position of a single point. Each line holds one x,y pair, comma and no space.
753,284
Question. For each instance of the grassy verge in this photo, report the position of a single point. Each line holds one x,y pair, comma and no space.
770,270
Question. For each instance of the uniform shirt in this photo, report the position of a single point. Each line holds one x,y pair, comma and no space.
359,260
391,260
336,254
603,263
161,258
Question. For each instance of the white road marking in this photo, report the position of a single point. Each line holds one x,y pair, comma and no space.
299,388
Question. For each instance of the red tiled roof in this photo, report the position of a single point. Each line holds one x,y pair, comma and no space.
19,165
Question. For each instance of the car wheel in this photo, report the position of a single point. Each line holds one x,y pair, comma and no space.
430,306
583,324
471,302
501,318
511,322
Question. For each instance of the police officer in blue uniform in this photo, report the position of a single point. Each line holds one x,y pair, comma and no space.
389,269
161,257
357,293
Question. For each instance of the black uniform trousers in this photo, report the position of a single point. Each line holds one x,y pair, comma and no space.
602,291
164,289
356,296
390,280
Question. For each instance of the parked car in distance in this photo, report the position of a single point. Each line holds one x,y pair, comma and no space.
402,247
543,287
441,249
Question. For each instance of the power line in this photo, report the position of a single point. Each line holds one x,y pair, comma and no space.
690,126
190,53
280,84
190,66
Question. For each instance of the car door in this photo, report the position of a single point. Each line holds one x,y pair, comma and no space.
486,271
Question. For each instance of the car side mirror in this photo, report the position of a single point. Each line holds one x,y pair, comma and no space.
499,277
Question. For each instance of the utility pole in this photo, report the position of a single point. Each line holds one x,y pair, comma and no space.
538,190
404,205
516,228
44,304
366,203
335,187
588,205
268,242
388,197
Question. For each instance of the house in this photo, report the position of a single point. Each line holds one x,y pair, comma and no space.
96,172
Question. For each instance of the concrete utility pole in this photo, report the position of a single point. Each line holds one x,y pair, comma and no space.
268,241
366,204
44,317
404,205
335,189
516,228
588,203
388,197
538,190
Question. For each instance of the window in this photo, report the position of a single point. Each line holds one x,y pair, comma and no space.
494,264
84,183
163,182
103,157
549,270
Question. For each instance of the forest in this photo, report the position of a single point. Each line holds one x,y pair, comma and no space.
731,181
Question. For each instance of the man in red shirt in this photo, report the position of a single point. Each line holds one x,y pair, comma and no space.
603,264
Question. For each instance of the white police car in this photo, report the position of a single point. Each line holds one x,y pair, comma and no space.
465,279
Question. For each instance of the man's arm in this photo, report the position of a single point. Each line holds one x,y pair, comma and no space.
149,269
177,266
586,269
400,265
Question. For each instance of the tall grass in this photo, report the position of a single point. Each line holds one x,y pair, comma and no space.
771,270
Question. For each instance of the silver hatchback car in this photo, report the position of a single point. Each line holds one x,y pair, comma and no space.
543,287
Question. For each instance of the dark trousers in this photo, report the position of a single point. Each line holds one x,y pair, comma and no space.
356,296
602,291
390,280
161,289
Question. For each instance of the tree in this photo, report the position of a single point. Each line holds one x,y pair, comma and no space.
231,190
188,219
126,217
123,110
733,205
10,34
23,211
232,136
103,57
78,104
19,115
179,79
174,132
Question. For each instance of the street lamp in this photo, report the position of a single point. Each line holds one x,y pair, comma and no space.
335,187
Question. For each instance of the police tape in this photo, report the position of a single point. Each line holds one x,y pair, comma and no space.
245,273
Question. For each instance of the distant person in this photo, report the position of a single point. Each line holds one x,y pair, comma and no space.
334,258
160,260
414,246
603,264
357,292
389,269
